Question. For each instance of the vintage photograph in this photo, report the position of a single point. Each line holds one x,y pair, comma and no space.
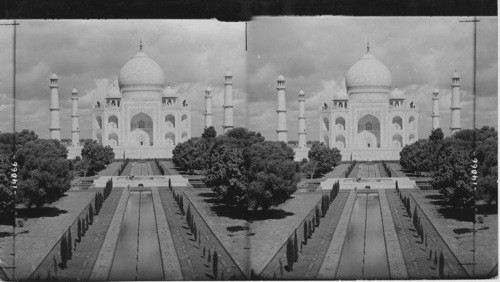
283,148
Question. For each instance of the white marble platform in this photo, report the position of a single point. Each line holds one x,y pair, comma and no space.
146,181
374,183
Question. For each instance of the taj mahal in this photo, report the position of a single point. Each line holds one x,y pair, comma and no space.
367,119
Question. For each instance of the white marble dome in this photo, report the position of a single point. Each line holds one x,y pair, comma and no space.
340,94
396,94
169,92
113,93
141,71
368,75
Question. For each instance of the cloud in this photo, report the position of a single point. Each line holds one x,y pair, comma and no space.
313,53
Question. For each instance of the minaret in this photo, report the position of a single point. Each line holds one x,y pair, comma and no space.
208,107
228,102
302,120
455,103
75,132
435,108
281,110
55,128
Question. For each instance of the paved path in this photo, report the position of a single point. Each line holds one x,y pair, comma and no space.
86,251
414,251
104,261
311,254
171,266
331,262
397,267
194,265
110,170
30,248
458,236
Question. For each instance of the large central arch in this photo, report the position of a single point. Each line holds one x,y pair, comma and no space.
141,122
368,131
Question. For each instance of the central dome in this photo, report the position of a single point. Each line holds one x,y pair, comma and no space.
368,75
141,72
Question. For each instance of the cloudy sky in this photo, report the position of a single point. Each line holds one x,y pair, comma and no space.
313,53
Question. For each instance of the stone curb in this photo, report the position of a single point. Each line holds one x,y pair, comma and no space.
330,264
397,267
102,266
170,260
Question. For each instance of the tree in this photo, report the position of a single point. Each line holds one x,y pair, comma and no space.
44,174
309,228
306,233
97,155
452,174
441,265
326,158
7,201
272,176
70,245
190,155
91,215
290,257
64,251
215,264
295,246
317,216
79,230
245,171
437,135
209,133
309,168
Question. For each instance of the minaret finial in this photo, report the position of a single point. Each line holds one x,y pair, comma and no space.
140,45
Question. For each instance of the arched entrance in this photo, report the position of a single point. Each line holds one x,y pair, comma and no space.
141,130
368,131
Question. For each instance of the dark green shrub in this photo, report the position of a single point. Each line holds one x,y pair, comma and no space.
215,264
64,251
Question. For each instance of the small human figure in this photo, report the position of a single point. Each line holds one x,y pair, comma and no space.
355,190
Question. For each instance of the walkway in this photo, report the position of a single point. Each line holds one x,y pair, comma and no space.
110,170
39,235
331,262
414,251
85,253
312,254
104,261
171,265
194,265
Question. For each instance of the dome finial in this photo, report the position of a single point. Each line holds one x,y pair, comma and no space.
368,46
140,45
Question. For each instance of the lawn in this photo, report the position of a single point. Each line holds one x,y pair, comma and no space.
252,242
458,235
41,231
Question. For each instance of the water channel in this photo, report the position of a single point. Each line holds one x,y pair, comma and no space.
364,255
137,255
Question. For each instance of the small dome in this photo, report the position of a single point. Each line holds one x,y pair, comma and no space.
113,93
74,91
281,78
340,94
368,74
301,92
169,92
456,75
141,71
396,94
209,89
228,73
53,76
435,90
